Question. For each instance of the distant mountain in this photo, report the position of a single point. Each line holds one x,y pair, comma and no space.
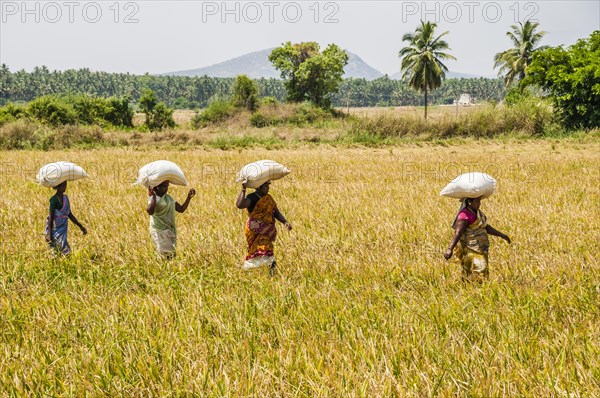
449,75
256,65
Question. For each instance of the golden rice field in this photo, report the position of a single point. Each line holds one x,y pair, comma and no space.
364,305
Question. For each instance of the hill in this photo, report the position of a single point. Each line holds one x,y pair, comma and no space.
256,65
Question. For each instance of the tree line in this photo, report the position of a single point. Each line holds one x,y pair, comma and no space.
185,92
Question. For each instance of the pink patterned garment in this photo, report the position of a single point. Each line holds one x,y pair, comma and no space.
466,214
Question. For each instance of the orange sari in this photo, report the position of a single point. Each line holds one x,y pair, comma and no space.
260,228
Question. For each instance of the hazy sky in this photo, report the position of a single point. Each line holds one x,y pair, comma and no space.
163,36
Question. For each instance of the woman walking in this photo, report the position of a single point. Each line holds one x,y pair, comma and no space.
260,228
471,240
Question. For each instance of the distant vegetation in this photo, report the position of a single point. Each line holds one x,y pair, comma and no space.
546,91
183,92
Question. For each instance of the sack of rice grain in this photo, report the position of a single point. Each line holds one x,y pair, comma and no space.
56,173
470,185
155,173
257,173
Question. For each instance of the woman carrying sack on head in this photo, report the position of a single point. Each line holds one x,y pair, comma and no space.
471,234
260,230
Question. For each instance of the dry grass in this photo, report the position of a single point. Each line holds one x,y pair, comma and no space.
183,116
365,305
433,112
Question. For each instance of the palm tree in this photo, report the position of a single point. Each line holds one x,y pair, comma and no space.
421,59
513,62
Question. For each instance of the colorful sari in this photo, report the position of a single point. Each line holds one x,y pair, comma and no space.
56,235
260,233
472,249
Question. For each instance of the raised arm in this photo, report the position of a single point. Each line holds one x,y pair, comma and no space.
181,208
152,202
459,230
242,201
494,232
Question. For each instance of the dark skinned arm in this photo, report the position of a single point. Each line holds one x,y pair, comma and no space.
152,204
76,222
279,217
459,230
494,232
242,201
181,208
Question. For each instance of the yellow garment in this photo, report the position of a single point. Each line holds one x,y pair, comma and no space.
260,228
472,249
474,264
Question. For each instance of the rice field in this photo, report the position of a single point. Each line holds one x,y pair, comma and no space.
364,304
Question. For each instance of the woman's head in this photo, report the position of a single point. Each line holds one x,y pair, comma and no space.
61,188
473,203
264,188
162,188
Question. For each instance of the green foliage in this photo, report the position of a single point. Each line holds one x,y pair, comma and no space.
218,111
269,101
11,112
514,61
119,112
185,103
147,102
158,115
52,110
161,117
572,79
78,109
515,96
245,93
300,115
259,120
102,111
185,92
307,114
422,59
310,75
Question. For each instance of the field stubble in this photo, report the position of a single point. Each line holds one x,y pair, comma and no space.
364,304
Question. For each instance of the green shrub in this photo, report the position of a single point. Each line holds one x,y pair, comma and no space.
269,101
218,111
258,120
308,113
245,93
52,110
119,112
161,117
158,115
11,112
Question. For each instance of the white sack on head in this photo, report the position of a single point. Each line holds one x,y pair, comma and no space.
470,185
56,173
155,173
257,173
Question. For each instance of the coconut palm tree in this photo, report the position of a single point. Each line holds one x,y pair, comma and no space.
421,59
513,62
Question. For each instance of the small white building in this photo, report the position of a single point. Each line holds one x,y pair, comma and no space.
465,100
